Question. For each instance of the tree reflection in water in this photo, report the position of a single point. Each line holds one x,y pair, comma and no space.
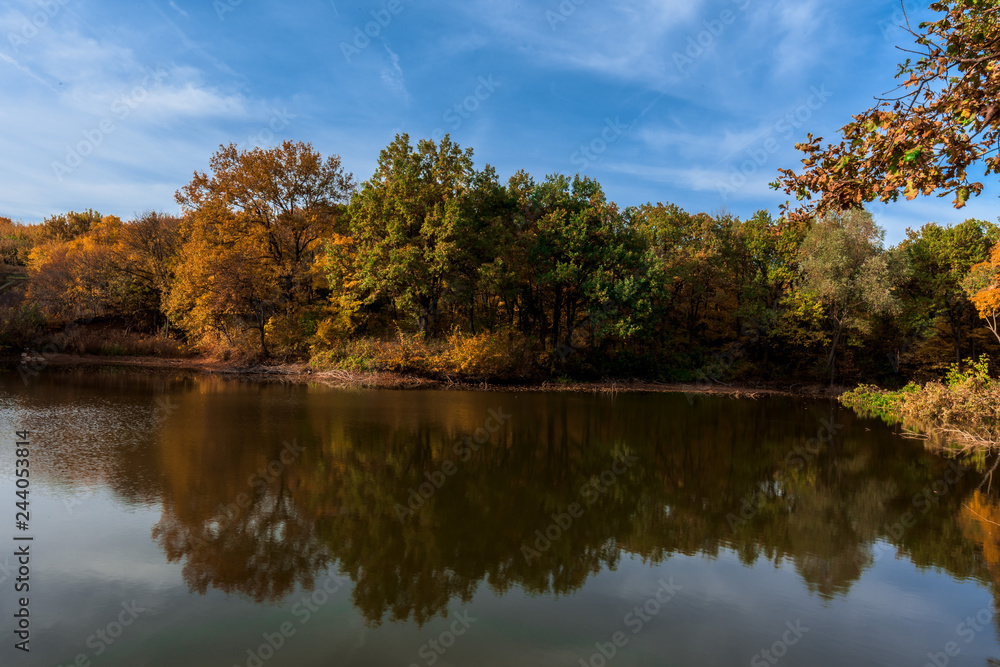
696,467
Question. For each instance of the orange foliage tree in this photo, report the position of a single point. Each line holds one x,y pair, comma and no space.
252,235
983,288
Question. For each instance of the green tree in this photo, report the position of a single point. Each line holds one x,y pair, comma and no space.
941,258
409,227
846,269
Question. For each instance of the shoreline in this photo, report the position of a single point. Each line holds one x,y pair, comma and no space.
302,373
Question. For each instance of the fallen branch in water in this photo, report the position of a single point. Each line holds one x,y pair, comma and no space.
966,441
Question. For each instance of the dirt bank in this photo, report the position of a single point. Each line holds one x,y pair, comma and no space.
301,372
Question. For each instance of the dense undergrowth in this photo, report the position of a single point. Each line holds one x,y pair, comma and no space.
964,409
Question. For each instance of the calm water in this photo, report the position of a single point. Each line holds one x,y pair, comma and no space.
200,521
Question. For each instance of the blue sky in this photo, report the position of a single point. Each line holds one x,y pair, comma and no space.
112,105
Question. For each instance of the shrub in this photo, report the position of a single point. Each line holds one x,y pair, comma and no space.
19,325
502,356
967,402
498,356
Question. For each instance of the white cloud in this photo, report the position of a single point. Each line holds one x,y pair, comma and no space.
393,76
627,39
799,45
173,6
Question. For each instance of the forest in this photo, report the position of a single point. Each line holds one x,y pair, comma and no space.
436,267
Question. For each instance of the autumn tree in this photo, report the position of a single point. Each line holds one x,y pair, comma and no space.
68,226
944,120
289,194
79,275
19,319
16,241
846,270
983,287
253,233
147,250
226,284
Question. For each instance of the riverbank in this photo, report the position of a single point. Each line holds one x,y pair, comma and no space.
302,372
961,412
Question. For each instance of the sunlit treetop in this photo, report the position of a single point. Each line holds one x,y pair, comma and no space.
924,136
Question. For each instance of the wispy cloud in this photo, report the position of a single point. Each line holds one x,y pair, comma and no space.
393,77
173,6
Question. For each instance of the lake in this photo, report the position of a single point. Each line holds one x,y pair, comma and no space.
197,520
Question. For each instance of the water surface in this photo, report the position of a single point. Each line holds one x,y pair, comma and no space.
205,521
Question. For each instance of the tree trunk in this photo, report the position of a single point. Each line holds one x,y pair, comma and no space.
570,321
428,313
556,316
261,324
832,359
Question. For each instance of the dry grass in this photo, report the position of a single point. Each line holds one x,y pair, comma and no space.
110,341
963,411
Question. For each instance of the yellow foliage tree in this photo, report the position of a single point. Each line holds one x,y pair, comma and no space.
79,276
252,235
983,288
225,283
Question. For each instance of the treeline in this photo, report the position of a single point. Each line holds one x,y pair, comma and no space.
433,265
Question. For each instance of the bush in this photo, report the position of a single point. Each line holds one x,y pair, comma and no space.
18,327
967,401
503,355
497,356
